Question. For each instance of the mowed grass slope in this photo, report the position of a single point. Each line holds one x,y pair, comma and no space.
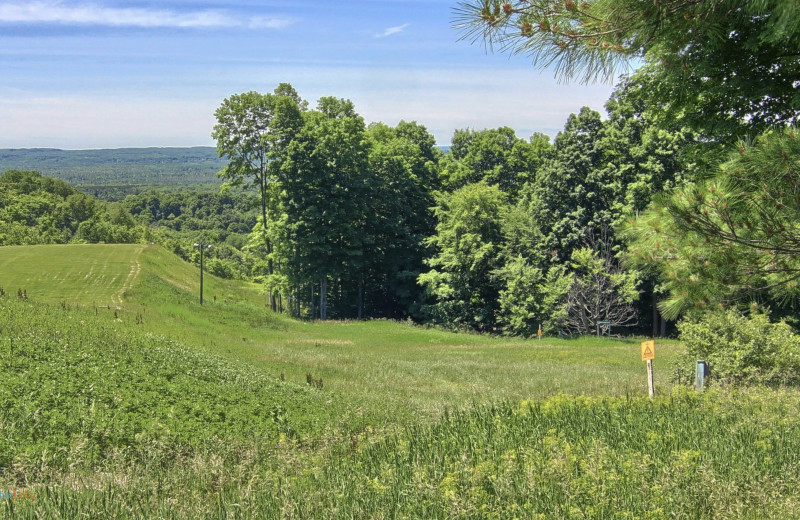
388,371
89,274
162,408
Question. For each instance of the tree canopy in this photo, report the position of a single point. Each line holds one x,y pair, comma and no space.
733,236
724,66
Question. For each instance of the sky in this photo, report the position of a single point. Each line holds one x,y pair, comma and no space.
81,74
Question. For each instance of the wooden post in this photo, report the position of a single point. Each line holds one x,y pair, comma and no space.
649,354
201,245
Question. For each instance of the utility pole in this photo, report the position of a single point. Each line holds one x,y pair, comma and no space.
201,246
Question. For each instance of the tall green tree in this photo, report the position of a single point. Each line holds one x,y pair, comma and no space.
252,132
326,188
572,191
531,297
403,161
468,243
496,156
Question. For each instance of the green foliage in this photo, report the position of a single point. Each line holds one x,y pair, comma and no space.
113,174
571,193
729,74
742,349
80,389
404,162
724,67
566,457
253,131
600,291
529,298
468,240
711,455
224,220
39,210
732,236
325,194
496,156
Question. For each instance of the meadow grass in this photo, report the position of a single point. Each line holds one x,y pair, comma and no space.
388,371
167,409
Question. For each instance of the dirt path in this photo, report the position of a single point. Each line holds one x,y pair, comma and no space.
136,268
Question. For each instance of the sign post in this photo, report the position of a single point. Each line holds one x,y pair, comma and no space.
649,354
539,332
701,371
606,325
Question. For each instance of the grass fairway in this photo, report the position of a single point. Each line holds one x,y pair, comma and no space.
387,371
88,274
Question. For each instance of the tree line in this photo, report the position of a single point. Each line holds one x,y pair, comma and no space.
498,234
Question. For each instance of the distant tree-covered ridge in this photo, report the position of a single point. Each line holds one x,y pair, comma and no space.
119,167
40,210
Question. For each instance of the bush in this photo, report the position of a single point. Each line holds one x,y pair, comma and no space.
742,349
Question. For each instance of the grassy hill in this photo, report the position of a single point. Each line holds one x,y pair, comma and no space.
390,371
87,274
152,406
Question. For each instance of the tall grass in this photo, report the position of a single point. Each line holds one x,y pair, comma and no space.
713,455
387,372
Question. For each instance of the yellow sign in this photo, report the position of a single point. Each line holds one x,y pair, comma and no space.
648,350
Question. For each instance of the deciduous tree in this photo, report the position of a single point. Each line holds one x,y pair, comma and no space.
468,243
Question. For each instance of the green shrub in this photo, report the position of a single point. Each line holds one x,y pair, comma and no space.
742,349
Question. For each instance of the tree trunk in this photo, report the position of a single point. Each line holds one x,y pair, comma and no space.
663,327
272,304
361,297
263,186
313,310
655,316
323,298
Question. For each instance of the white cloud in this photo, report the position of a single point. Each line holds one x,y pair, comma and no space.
392,30
56,12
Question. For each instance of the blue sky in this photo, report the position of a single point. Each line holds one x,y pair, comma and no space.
105,73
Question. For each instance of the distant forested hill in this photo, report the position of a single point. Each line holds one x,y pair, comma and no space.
115,172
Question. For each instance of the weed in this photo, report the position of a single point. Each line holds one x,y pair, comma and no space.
311,381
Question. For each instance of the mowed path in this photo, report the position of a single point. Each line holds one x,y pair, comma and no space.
76,273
